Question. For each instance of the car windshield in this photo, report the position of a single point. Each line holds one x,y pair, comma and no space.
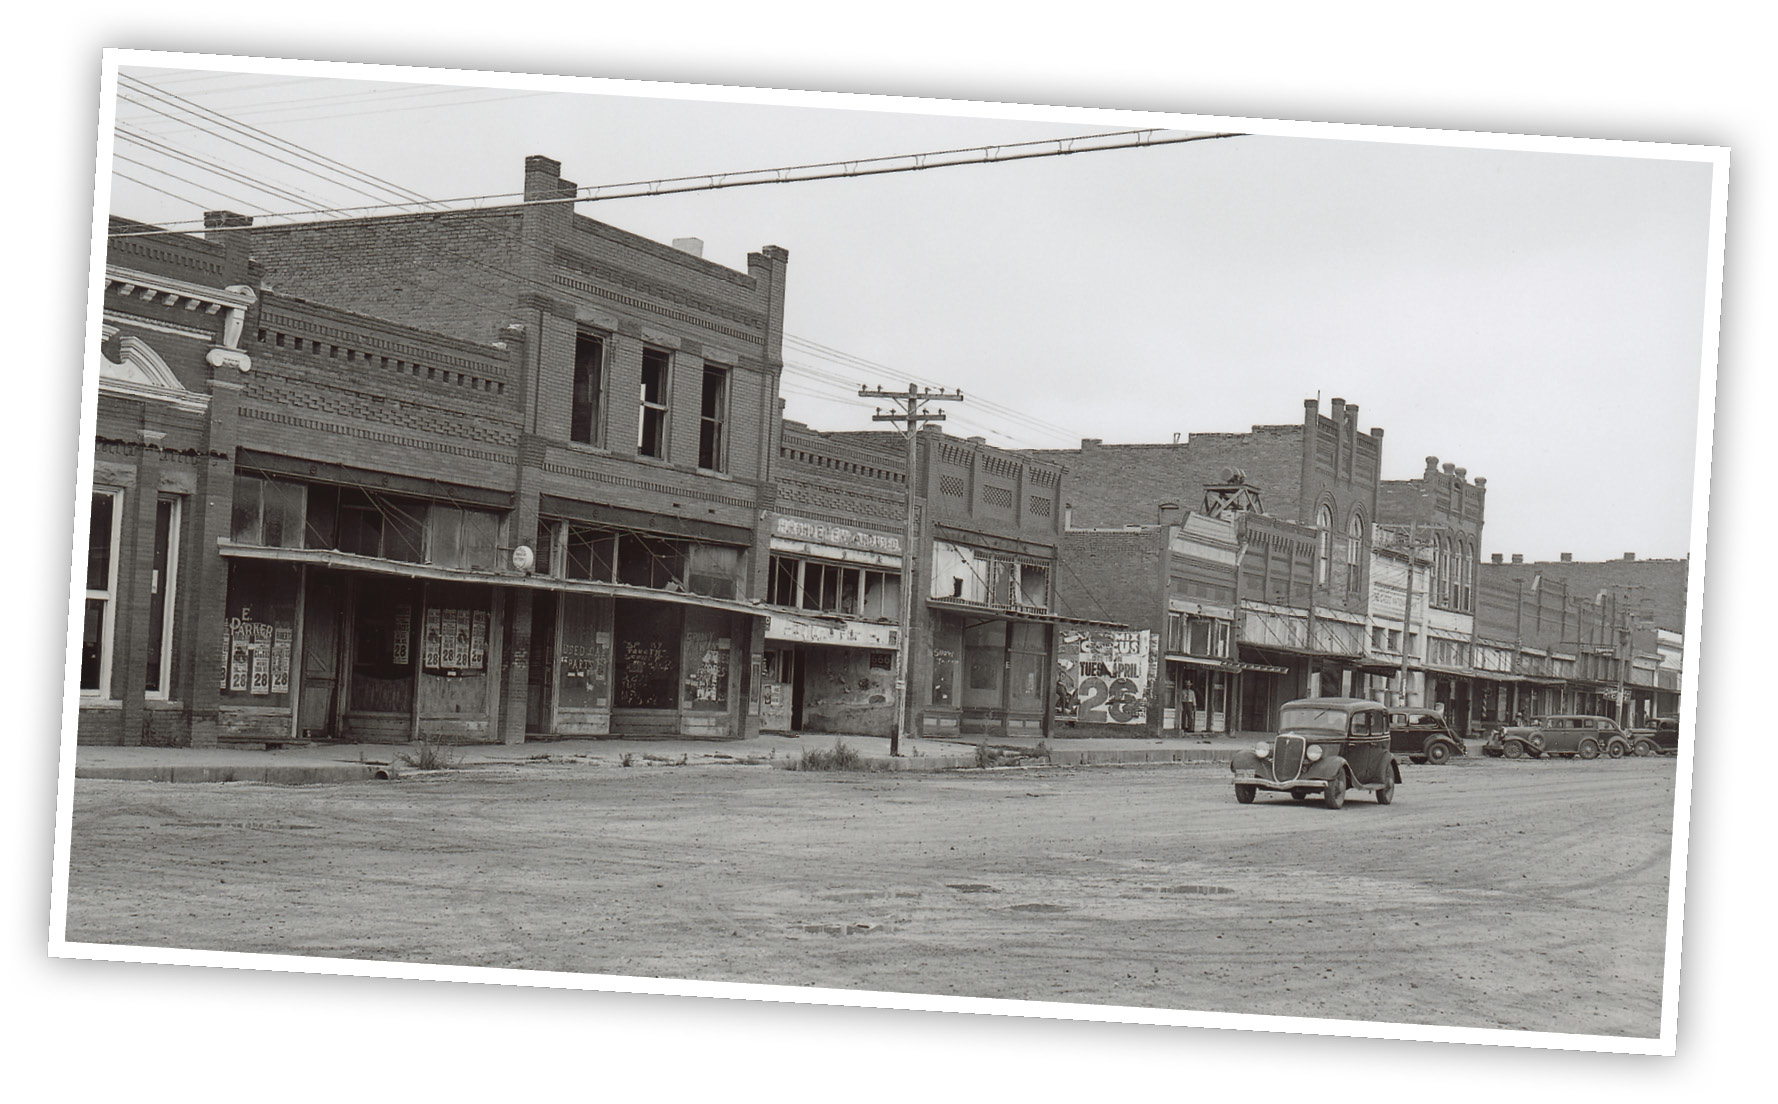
1314,719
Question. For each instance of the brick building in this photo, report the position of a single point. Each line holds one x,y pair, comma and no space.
1440,515
834,583
170,367
984,634
1175,581
1600,637
1307,496
512,478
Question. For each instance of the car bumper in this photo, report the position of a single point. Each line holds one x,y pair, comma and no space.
1249,778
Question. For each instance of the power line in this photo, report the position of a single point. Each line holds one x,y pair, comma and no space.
789,174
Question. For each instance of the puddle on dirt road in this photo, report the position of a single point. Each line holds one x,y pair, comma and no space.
841,929
1205,890
254,825
1039,907
971,887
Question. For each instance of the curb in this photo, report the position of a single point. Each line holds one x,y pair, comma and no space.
1070,757
279,775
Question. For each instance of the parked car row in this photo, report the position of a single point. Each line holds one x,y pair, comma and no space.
1583,737
1329,747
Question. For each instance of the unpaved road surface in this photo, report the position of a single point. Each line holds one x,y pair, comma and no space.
1527,895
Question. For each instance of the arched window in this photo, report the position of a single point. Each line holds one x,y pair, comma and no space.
1354,554
1323,544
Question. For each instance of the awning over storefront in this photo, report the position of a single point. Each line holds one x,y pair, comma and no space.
1203,661
372,565
1308,653
1036,616
1378,666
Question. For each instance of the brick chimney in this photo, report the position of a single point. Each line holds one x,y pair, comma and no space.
1630,557
1518,557
1567,557
226,229
1497,557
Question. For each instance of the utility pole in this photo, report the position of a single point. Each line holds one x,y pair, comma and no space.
1407,609
911,413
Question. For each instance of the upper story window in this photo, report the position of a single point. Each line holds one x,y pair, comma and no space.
651,438
586,416
713,419
828,587
1197,636
1355,554
650,560
1323,544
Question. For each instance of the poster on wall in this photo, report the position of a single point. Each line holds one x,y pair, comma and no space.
429,650
281,641
400,635
478,639
1104,676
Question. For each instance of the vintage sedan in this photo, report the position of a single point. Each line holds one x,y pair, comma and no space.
1660,738
1423,737
1579,735
1326,746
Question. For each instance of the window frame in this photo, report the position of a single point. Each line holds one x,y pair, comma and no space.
590,398
107,619
713,426
1323,544
167,592
661,410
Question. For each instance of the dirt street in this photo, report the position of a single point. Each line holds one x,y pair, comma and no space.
1527,895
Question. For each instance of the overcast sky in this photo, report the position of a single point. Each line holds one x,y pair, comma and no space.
1533,317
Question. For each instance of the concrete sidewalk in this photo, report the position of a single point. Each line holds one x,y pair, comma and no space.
337,762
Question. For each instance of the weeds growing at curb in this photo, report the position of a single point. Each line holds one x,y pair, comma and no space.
430,756
626,760
837,758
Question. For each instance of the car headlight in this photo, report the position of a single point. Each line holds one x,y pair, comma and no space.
1262,749
1314,752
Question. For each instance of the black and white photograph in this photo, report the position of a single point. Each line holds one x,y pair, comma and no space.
664,539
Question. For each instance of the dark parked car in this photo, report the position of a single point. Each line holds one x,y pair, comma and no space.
1326,746
1662,738
1423,737
1570,734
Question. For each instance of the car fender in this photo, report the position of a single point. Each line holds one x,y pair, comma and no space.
1325,768
1531,749
1244,760
1395,768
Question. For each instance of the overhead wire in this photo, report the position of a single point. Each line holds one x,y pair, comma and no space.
351,178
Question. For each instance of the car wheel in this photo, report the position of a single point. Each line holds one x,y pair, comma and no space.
1299,795
1617,749
1515,750
1438,753
1647,747
1589,749
1386,795
1244,794
1334,797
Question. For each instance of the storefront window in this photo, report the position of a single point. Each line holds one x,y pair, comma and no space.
646,663
259,633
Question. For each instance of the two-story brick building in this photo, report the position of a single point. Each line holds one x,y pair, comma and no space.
1441,515
170,365
483,474
1174,582
834,584
1307,497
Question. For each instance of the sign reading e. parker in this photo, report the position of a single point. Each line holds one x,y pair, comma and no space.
821,532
